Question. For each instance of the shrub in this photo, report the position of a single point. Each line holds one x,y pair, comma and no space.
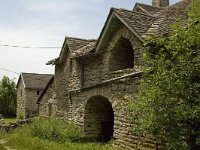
55,129
20,116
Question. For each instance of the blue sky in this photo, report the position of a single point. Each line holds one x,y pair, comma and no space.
46,23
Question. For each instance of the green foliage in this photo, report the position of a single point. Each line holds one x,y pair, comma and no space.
2,147
8,97
24,138
55,129
20,115
9,120
168,103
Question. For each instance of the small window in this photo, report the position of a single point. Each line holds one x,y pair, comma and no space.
38,92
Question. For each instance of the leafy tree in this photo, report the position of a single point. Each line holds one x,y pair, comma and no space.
8,96
168,101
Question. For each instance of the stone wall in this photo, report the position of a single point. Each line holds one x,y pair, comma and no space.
48,106
61,86
21,100
123,47
103,107
26,101
93,70
93,89
32,96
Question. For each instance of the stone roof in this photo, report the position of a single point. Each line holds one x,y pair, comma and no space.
35,81
139,21
169,16
143,20
151,10
158,20
80,47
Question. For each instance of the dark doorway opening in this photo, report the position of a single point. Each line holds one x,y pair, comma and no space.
99,119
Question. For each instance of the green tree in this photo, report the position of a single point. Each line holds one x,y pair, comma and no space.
8,96
168,101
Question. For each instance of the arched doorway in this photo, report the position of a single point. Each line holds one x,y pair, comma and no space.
99,119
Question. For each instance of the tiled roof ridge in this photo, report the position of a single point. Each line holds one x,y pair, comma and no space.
137,3
157,27
149,9
131,11
36,73
76,38
181,1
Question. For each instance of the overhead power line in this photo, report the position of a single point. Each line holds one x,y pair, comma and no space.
36,47
4,69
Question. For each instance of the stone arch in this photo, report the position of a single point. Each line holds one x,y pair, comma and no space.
99,119
121,55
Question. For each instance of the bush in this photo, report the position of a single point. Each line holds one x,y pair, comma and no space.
20,116
55,129
50,134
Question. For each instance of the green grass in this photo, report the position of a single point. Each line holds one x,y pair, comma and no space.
50,134
2,147
2,136
9,120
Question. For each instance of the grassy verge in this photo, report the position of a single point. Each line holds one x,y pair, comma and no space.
2,147
9,120
50,134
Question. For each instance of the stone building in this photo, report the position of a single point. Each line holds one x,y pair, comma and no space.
92,77
46,101
29,88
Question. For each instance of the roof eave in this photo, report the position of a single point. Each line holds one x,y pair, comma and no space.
103,32
53,61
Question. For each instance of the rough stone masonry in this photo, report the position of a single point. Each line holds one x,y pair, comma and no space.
92,77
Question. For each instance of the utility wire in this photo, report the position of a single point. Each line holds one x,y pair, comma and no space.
14,72
38,47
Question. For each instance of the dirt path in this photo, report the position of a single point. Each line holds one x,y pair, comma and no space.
2,142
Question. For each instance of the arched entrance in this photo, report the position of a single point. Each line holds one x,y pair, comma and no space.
99,119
